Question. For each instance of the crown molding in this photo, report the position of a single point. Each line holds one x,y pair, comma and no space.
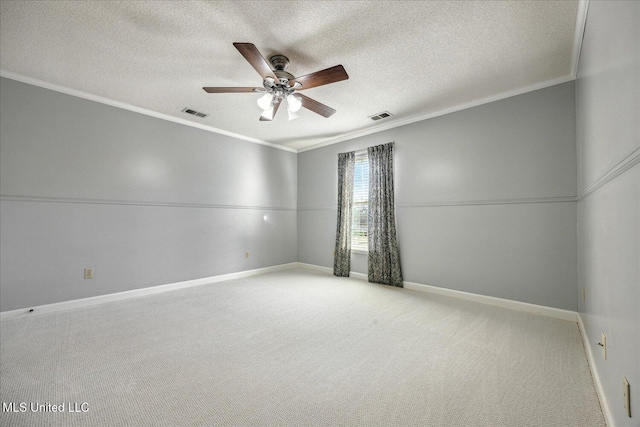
345,137
409,120
581,22
102,100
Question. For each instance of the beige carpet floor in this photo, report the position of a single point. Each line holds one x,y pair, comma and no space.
296,348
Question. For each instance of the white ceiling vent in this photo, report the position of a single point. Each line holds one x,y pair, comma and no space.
194,112
380,116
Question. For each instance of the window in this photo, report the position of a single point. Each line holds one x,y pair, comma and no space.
360,216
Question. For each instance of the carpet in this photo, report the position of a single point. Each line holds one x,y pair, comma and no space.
295,347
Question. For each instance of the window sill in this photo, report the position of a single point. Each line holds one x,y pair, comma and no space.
360,251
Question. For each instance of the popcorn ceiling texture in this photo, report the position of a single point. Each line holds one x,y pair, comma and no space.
297,348
409,58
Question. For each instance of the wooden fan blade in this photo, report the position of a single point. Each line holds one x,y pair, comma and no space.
232,89
255,58
268,115
323,77
315,106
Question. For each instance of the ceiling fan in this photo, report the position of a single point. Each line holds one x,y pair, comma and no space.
279,85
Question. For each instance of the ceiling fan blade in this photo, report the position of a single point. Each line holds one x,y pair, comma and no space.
315,106
323,77
255,58
232,89
268,115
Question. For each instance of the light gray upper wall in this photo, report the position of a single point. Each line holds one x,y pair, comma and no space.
511,149
56,145
143,201
519,147
609,123
608,138
484,199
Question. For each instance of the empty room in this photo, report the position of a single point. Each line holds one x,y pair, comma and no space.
320,213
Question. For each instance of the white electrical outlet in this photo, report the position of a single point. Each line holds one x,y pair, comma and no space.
627,398
88,273
246,254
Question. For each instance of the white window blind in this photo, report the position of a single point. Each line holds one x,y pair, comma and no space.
360,203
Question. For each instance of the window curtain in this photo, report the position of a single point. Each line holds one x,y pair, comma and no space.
384,257
342,255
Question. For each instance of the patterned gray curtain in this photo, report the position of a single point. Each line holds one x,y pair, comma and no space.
342,256
384,258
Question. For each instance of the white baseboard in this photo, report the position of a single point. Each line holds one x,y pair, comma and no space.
329,270
85,302
541,310
604,405
313,267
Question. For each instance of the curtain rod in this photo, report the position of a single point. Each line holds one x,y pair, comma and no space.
364,150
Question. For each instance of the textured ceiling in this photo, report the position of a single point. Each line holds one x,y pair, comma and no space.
412,59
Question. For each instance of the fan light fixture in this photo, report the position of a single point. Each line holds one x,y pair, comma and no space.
268,101
279,85
293,103
267,114
292,115
265,102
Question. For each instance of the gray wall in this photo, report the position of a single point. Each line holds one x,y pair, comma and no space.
143,201
485,199
608,135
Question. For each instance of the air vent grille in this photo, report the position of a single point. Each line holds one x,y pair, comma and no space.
194,112
380,116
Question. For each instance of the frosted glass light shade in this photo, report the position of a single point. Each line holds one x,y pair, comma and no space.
292,115
265,101
294,103
267,114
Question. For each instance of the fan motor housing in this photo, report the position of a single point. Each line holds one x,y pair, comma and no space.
280,63
283,75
